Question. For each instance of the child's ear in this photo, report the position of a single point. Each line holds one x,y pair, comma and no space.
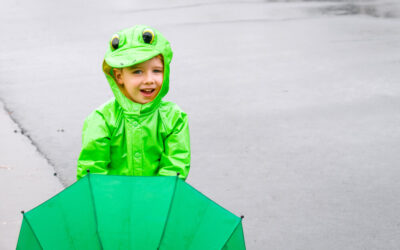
118,76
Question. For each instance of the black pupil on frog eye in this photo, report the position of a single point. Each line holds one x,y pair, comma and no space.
115,42
147,37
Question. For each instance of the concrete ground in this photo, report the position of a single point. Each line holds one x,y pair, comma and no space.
293,106
26,179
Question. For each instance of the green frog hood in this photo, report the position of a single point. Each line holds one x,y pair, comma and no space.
133,46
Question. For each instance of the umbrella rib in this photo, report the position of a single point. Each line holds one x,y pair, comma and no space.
234,229
95,212
29,225
169,211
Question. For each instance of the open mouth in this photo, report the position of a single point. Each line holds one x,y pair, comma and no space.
147,92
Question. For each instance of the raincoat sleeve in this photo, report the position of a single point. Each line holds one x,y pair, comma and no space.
95,153
176,155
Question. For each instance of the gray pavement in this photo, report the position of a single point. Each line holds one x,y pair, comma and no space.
26,179
293,106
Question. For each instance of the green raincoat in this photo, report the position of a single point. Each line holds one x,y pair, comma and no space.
126,138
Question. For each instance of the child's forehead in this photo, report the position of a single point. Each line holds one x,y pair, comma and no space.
154,60
133,66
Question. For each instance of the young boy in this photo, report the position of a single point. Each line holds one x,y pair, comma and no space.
136,133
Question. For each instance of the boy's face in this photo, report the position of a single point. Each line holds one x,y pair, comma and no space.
142,82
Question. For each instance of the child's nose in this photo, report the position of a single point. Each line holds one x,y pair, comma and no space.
149,78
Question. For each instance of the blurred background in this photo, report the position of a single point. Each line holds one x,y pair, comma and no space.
293,106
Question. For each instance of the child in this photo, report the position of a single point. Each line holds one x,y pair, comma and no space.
136,133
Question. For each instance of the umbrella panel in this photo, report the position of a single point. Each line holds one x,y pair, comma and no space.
236,241
196,222
27,239
133,217
66,221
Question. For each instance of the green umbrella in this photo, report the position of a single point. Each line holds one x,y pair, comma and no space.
130,212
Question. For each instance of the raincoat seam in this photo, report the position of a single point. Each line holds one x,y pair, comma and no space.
105,122
117,121
163,123
176,111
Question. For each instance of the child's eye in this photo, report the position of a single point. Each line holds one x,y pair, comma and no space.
157,71
136,72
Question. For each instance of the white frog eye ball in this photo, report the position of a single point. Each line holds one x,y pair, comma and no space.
148,36
115,41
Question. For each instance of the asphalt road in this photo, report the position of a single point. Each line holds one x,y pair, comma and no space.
293,106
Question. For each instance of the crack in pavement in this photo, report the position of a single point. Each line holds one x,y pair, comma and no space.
23,131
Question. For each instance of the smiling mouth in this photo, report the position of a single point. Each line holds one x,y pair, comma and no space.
147,92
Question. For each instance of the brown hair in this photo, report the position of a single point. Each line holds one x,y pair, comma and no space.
161,58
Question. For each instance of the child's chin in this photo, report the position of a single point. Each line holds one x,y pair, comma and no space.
142,101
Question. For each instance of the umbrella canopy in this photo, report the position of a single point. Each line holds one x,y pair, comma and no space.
130,212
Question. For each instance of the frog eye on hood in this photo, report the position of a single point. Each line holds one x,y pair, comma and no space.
115,41
148,36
